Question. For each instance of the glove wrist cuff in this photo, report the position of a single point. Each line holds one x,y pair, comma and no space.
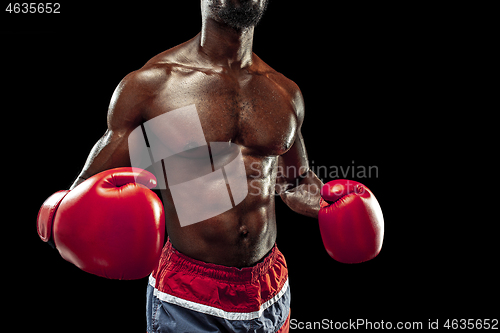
46,214
323,203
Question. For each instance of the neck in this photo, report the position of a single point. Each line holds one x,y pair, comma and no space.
226,46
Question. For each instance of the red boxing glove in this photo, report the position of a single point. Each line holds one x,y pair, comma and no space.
350,221
111,225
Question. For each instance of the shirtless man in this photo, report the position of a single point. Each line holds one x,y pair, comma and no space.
224,273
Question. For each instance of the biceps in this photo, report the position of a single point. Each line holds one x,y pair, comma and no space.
293,163
111,151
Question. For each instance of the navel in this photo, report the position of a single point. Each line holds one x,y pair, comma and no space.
243,231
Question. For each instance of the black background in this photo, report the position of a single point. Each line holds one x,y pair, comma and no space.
370,77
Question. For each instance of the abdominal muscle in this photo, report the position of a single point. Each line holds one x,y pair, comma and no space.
239,237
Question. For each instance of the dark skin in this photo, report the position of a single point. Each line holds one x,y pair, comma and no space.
239,99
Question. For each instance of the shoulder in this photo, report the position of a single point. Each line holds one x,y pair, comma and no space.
285,84
295,94
133,95
138,88
156,72
136,91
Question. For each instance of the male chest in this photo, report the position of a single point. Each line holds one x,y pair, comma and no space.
254,111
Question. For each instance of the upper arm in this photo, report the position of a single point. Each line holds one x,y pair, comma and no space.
125,111
294,163
296,184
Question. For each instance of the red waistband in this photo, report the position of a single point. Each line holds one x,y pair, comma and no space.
220,290
172,259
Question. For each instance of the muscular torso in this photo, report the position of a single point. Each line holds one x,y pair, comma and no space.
252,108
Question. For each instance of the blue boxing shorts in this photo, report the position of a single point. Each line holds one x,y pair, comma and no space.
188,295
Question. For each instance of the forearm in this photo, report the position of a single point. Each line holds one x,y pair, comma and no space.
302,197
94,153
109,152
84,175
